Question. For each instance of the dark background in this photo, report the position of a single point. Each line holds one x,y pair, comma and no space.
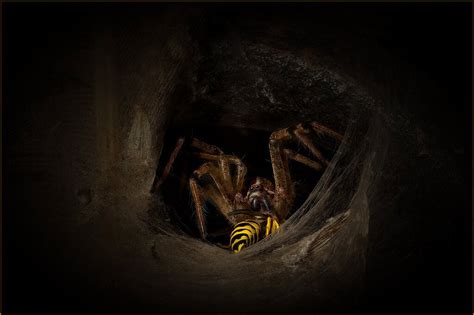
49,67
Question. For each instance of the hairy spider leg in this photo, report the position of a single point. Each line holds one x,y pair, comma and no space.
303,159
193,142
320,129
199,205
279,155
284,192
302,134
221,197
157,183
229,159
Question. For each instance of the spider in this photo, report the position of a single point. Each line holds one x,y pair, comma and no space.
258,211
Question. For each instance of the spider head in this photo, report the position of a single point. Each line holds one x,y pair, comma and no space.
260,194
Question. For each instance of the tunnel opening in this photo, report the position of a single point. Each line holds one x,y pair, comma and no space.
240,87
235,88
245,142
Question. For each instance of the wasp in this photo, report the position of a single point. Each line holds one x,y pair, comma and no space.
257,211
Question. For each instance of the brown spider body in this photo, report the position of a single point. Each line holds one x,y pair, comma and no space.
260,209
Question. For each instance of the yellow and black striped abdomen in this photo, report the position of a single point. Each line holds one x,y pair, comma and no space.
249,232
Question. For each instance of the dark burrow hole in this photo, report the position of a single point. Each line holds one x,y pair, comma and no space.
248,144
240,92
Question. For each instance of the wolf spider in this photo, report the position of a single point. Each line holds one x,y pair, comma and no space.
263,201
